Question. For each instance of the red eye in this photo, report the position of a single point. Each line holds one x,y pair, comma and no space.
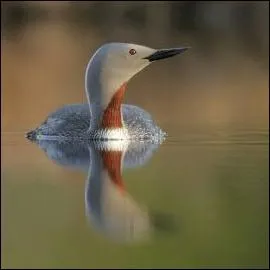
132,51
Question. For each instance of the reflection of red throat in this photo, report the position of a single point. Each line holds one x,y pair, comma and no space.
112,163
112,114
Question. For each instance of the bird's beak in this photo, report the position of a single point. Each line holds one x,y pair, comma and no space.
165,53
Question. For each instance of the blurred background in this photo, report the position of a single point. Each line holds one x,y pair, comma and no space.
218,86
223,79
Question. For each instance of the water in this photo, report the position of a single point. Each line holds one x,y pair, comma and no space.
198,200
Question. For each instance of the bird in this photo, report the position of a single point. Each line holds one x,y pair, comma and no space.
104,117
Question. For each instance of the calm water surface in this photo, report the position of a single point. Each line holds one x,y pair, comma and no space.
200,199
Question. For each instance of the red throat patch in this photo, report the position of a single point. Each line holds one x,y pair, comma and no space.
112,115
112,163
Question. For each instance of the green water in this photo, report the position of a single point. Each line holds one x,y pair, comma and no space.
212,187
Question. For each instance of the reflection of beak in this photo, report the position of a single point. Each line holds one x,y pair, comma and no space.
165,53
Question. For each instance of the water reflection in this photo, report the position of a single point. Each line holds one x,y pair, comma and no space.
109,206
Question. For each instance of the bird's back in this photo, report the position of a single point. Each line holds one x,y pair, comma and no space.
73,121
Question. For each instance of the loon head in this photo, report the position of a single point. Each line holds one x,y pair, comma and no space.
107,74
119,62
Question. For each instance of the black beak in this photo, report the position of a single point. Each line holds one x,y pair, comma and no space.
165,53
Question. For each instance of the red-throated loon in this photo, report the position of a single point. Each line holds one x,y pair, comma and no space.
105,117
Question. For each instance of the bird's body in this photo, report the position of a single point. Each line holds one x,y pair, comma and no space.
73,121
105,117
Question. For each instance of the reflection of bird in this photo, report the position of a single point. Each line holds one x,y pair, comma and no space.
76,155
107,74
108,205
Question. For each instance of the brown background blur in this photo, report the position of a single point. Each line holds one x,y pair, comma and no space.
222,80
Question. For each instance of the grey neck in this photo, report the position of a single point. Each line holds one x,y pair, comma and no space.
100,86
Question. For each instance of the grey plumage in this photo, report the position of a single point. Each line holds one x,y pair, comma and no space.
73,122
106,76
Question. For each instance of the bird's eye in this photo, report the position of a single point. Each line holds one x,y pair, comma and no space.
132,51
